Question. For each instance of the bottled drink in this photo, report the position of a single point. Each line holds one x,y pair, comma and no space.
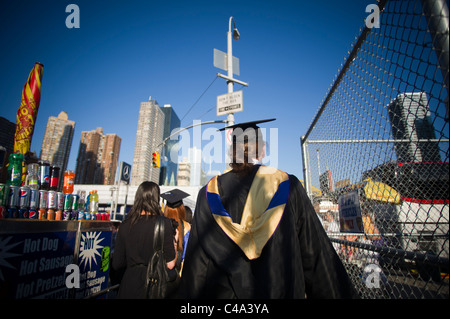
69,177
15,169
88,200
93,203
44,177
32,176
54,178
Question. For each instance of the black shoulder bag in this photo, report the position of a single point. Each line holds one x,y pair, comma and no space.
162,282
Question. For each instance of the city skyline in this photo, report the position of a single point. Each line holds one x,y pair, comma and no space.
121,54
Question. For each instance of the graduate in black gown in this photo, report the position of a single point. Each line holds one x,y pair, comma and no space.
255,234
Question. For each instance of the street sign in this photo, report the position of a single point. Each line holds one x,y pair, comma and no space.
230,103
125,172
221,61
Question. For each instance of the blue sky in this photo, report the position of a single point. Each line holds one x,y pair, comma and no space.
126,51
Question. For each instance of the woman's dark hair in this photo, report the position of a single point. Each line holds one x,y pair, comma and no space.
147,200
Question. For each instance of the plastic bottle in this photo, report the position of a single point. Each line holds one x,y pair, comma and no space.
93,203
69,178
15,169
54,178
33,177
44,178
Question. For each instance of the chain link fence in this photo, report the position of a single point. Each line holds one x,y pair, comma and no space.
376,156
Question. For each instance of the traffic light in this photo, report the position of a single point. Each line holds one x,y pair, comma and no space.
156,160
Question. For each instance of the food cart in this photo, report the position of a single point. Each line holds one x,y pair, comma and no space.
54,259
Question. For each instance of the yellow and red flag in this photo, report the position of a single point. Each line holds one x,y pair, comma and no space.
27,112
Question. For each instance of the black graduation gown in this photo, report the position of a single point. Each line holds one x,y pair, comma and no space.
298,260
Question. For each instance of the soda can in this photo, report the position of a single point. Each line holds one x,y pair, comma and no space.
43,199
42,213
75,200
73,215
34,198
24,201
81,215
51,214
13,212
59,215
33,213
93,216
60,201
67,215
52,200
4,194
23,213
3,212
87,215
14,197
68,200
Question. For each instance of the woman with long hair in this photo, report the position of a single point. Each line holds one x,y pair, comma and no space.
175,209
134,243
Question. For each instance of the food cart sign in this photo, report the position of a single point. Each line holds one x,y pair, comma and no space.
350,213
230,103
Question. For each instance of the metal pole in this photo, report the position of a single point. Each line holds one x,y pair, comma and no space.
230,118
437,15
305,166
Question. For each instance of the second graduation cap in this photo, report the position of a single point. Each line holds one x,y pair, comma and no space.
174,197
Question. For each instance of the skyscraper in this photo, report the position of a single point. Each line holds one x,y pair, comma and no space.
57,141
98,157
171,123
410,122
149,136
195,159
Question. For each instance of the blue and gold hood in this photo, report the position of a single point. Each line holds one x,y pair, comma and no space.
262,213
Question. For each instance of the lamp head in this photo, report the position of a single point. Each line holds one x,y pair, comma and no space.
236,34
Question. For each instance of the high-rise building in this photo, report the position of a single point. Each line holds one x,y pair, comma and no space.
410,123
98,157
7,132
57,141
184,173
149,137
195,158
170,151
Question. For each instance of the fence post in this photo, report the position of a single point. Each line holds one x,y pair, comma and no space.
305,167
436,12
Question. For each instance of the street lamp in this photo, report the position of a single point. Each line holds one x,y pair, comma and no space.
230,36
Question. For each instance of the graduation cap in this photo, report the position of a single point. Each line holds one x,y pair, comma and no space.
174,197
247,125
248,131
